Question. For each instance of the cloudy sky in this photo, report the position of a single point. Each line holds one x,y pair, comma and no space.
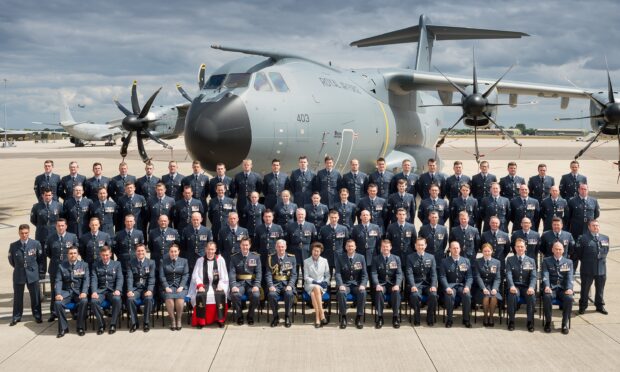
90,52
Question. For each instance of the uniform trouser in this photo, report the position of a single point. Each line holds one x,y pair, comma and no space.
599,287
82,305
394,301
254,298
288,300
415,300
513,299
360,299
147,301
449,301
115,301
18,299
567,304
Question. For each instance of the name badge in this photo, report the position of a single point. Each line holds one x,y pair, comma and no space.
357,266
252,262
463,267
195,208
372,233
340,235
393,265
501,240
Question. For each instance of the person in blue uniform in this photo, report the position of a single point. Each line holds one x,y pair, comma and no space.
511,183
467,235
382,178
553,206
44,215
487,278
376,205
140,286
132,203
281,280
219,210
557,283
452,187
116,187
106,210
581,209
326,182
172,180
540,184
47,180
161,238
65,188
499,240
220,177
125,242
92,242
300,182
299,235
159,205
284,211
523,206
432,177
194,239
530,236
521,277
174,279
98,180
436,236
198,183
76,211
266,236
434,203
71,284
26,259
316,212
332,236
184,208
147,184
456,278
494,205
401,199
386,276
252,214
556,234
402,234
347,211
367,237
273,184
421,273
592,251
106,284
408,175
464,203
569,183
481,182
351,277
355,181
245,276
244,183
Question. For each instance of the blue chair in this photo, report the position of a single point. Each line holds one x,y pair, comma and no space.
350,298
139,302
259,309
387,299
105,305
305,297
281,299
554,302
423,302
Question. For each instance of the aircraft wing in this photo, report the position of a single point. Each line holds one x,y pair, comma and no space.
404,81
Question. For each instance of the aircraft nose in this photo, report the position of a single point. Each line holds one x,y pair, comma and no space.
218,130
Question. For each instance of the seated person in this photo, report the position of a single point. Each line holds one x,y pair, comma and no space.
106,283
281,278
316,281
456,279
71,285
212,287
173,279
386,276
140,286
557,283
421,269
351,277
487,275
245,276
521,282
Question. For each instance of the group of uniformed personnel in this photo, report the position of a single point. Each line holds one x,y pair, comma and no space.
365,224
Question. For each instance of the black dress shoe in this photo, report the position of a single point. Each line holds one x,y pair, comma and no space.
358,322
250,320
132,329
240,320
485,323
199,326
275,322
416,323
548,327
467,324
318,325
13,322
81,332
220,324
62,333
449,324
582,310
146,328
601,309
379,323
491,323
511,326
324,322
564,330
530,326
112,330
39,320
100,331
343,323
52,318
173,328
395,322
287,322
430,324
178,328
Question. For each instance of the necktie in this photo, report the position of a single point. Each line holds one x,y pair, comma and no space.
484,178
495,198
73,180
148,179
596,238
195,177
303,174
276,176
401,228
557,236
512,179
47,178
486,263
301,227
542,180
575,178
520,260
196,231
280,260
432,231
163,235
458,179
555,204
524,202
385,260
557,262
432,178
351,261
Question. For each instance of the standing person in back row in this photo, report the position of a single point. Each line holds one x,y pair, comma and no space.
47,180
569,184
481,182
355,181
326,183
300,182
172,180
244,183
273,185
540,185
382,178
433,176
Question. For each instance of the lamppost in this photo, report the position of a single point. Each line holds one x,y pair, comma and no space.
6,143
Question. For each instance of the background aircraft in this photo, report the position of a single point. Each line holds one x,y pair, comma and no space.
280,105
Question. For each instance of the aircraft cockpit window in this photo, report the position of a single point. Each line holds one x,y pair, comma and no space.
215,81
261,83
238,80
278,82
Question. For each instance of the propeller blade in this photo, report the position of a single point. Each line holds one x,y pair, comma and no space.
583,117
183,92
502,130
610,89
442,140
126,144
486,94
154,138
201,76
134,98
141,150
475,76
448,105
122,108
598,103
461,90
148,104
583,150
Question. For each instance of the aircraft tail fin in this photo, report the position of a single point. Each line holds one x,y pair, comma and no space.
65,113
425,34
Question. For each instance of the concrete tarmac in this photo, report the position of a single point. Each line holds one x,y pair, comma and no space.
593,342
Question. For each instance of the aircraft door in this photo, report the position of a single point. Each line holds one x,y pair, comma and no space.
347,142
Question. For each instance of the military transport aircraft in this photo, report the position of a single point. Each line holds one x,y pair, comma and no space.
280,105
